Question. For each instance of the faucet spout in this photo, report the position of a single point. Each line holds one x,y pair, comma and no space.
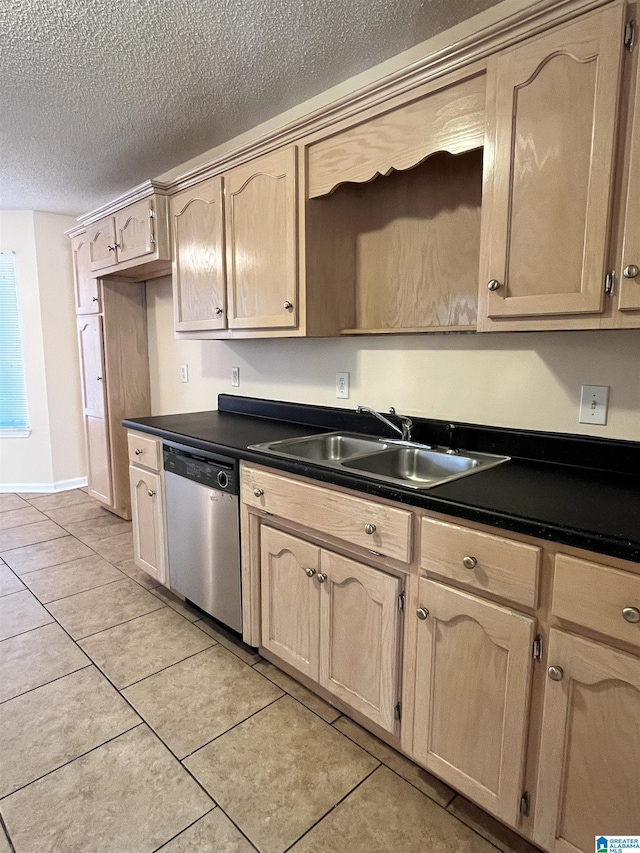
406,423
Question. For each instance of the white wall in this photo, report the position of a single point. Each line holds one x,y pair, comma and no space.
53,456
523,380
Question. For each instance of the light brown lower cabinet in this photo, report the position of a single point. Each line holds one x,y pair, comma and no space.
148,516
335,620
473,677
589,770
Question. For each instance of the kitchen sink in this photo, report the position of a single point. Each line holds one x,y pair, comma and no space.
402,463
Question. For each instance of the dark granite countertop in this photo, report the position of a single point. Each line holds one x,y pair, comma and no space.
542,491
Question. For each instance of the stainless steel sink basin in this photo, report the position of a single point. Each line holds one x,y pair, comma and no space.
330,447
410,465
423,468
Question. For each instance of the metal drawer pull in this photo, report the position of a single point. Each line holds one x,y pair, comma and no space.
370,529
138,451
469,562
309,572
258,492
422,613
150,492
631,614
321,577
287,305
219,311
556,673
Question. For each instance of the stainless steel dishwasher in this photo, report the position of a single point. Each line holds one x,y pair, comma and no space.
203,531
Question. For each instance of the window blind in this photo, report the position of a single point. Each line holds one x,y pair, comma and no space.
13,404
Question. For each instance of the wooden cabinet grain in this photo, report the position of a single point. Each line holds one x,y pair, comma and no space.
473,677
85,283
589,769
552,107
149,524
92,376
629,266
199,274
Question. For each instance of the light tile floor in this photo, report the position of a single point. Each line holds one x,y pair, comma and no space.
129,723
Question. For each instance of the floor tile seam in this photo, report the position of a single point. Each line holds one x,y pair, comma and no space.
27,523
195,624
388,766
40,541
300,702
48,512
29,630
193,823
168,666
79,592
333,808
51,681
234,726
117,624
73,503
71,760
69,563
4,827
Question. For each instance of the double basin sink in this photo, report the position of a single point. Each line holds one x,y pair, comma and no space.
415,466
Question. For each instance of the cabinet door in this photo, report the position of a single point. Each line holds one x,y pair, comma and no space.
91,347
199,277
629,279
102,241
589,769
290,599
551,114
134,229
472,695
86,285
359,637
262,251
147,510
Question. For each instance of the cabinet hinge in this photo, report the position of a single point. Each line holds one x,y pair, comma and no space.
375,553
630,35
152,213
525,803
153,239
610,282
536,651
397,713
401,600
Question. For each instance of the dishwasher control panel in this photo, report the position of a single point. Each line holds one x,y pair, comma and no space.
215,472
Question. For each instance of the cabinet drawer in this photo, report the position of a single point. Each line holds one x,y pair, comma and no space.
331,513
145,450
597,597
481,561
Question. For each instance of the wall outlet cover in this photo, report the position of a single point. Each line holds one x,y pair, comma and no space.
235,377
184,372
342,386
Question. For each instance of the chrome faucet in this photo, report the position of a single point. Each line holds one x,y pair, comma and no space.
407,423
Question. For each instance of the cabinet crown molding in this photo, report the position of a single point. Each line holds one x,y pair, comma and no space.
137,193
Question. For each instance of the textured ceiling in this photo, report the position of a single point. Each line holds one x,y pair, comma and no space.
98,96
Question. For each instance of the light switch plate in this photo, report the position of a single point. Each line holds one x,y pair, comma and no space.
342,386
594,404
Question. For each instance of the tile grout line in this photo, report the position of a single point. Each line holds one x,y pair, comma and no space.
117,624
52,681
164,668
79,592
4,827
178,834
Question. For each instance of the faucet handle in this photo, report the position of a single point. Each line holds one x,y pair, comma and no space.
453,438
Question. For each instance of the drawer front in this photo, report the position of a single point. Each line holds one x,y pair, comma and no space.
331,513
597,597
145,450
481,561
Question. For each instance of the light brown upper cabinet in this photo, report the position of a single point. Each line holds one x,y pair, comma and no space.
86,286
262,242
199,278
134,242
393,211
629,275
552,106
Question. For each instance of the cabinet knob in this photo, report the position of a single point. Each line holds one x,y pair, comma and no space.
630,271
111,247
219,311
321,577
258,492
117,246
469,562
556,673
422,613
99,378
150,492
494,284
309,572
370,529
631,614
288,305
94,298
138,451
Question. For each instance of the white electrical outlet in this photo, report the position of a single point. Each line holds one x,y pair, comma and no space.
594,404
184,372
342,386
235,377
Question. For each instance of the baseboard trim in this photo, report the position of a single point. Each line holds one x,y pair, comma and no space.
59,486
